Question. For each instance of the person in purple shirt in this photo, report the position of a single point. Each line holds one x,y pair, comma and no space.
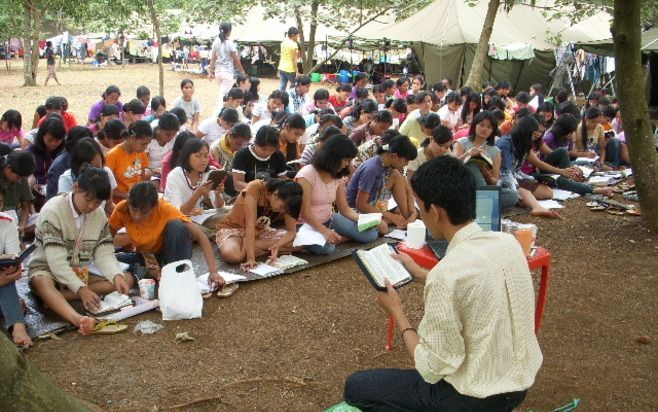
111,96
360,82
558,145
48,144
379,178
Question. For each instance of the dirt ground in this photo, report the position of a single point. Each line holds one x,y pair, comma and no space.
288,343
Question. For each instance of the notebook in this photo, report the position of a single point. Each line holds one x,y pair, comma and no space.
377,265
112,302
283,263
368,221
204,287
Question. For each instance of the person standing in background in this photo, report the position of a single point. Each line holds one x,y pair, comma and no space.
288,62
223,62
50,63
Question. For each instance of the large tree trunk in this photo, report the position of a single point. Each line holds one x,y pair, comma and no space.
308,62
477,68
156,27
24,388
634,110
302,39
32,28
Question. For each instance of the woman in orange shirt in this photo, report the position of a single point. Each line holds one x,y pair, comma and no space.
129,161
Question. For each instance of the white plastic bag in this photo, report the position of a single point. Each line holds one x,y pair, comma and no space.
179,294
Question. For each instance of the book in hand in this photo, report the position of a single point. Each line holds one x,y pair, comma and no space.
377,264
481,159
368,221
6,261
112,302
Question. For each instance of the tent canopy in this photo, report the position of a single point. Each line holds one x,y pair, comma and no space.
649,44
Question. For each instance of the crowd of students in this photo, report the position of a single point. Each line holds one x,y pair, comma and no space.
288,158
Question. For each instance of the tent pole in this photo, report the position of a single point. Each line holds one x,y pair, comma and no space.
519,76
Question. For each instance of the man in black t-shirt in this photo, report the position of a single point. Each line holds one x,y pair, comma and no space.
50,63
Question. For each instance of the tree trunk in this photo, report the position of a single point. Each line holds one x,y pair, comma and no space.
302,39
477,68
634,109
24,388
308,63
156,27
29,71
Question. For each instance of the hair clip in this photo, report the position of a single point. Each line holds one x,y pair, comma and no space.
385,148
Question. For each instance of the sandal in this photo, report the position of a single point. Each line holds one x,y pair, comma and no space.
108,327
615,212
633,212
597,208
227,290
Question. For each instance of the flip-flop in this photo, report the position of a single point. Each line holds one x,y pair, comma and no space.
633,212
592,204
108,327
597,208
615,212
228,290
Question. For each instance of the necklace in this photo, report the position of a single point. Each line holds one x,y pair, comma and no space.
189,183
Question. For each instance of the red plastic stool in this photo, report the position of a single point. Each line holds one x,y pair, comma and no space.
426,258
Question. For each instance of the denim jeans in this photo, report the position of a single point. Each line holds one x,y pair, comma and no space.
286,77
177,246
560,158
344,227
10,305
508,196
613,152
405,390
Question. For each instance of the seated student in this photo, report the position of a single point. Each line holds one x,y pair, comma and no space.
299,97
113,133
225,149
111,96
163,140
266,110
158,107
260,160
522,101
160,233
379,178
504,88
320,102
71,232
128,161
311,149
547,110
59,105
16,166
86,152
475,348
10,304
11,129
537,90
211,129
389,89
144,95
246,232
48,144
341,99
326,119
63,161
417,84
38,114
369,149
412,105
438,95
505,127
608,115
363,113
559,139
380,96
398,109
172,159
438,144
242,82
361,96
133,111
323,187
403,84
188,187
360,81
469,109
590,138
188,103
422,127
233,100
381,122
449,113
291,127
410,127
109,112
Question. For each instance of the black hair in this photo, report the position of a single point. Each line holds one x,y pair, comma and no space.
609,111
563,127
292,120
84,153
112,89
546,107
113,130
430,120
141,129
503,84
343,88
330,118
399,105
421,79
94,181
135,105
156,102
13,118
168,121
561,96
499,115
401,146
277,94
453,97
292,31
54,103
604,101
143,91
410,99
361,93
20,162
591,113
388,136
360,76
466,109
224,30
480,117
402,80
41,110
179,113
568,107
440,135
108,110
421,96
449,81
267,136
445,182
521,136
332,153
289,192
388,84
49,43
235,93
229,115
179,142
255,82
303,81
143,195
523,97
321,94
439,87
65,103
241,78
378,88
522,112
496,102
74,135
538,88
185,82
365,106
53,125
241,130
383,116
465,91
327,133
190,147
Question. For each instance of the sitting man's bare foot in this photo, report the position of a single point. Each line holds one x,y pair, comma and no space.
545,213
86,325
605,191
19,335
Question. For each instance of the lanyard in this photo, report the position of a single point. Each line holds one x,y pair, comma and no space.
75,259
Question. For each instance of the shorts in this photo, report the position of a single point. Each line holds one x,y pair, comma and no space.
265,234
51,70
31,274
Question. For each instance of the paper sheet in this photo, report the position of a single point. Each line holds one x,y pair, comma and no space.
306,235
94,270
550,204
560,194
204,287
397,234
201,218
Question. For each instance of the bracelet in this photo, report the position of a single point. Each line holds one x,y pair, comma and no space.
407,329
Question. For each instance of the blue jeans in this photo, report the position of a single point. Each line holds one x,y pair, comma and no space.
286,77
10,305
405,390
560,159
344,227
613,152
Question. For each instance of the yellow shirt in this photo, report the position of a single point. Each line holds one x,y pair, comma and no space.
286,63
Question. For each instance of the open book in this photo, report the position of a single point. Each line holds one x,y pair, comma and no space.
377,264
481,159
112,302
204,287
368,221
283,263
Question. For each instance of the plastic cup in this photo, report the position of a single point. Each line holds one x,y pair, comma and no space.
526,235
147,289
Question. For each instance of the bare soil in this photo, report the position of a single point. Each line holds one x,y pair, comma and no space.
288,343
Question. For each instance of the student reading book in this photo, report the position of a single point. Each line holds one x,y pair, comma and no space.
378,266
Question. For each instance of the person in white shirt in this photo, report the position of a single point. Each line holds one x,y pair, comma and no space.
475,348
168,128
223,62
264,110
449,112
212,128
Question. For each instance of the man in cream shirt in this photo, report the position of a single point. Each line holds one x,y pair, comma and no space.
475,347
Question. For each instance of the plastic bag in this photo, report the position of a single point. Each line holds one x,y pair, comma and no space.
146,327
179,294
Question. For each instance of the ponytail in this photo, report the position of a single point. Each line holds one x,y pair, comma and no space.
224,30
